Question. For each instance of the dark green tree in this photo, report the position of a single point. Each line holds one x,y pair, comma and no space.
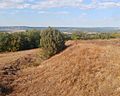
5,39
52,41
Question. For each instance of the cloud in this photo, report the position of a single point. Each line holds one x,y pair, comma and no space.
47,4
109,4
17,4
56,4
54,13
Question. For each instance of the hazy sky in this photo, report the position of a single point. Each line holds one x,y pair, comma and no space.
77,13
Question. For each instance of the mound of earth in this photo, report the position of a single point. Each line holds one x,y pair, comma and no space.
10,69
83,69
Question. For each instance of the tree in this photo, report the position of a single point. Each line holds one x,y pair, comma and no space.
19,40
34,36
5,39
52,41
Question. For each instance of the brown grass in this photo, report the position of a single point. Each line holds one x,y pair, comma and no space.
86,68
13,62
8,57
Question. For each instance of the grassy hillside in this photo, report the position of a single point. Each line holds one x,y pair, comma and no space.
86,68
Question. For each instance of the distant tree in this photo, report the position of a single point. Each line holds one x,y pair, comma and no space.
52,41
75,36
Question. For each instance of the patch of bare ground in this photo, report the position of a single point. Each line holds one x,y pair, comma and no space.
87,68
11,64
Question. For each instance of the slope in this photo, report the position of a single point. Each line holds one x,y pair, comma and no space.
87,68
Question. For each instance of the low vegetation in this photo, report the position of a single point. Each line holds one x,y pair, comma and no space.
90,36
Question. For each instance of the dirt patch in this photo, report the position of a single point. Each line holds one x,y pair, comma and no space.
10,71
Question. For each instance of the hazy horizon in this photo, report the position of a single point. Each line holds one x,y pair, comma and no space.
61,26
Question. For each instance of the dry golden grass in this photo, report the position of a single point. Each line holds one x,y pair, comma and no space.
8,57
13,62
86,68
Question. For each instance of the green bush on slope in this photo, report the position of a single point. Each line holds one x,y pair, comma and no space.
52,41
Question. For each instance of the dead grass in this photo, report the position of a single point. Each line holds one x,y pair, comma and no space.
6,58
12,63
87,68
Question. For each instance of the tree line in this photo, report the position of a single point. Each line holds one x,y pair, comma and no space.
19,40
50,39
90,36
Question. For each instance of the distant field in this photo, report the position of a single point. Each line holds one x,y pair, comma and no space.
12,30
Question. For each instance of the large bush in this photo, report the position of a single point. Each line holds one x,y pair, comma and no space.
52,41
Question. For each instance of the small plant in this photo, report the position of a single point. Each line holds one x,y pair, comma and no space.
52,41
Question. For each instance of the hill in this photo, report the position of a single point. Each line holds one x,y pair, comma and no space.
62,29
85,68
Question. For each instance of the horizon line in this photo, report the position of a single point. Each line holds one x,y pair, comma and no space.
60,26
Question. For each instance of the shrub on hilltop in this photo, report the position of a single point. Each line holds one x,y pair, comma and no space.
52,41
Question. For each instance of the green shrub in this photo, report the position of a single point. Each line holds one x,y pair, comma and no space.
52,42
75,36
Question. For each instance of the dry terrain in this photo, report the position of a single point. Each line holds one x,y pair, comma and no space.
12,63
12,56
85,68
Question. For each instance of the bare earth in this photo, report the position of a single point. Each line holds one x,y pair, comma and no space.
86,68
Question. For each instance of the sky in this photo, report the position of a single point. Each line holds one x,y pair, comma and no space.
60,13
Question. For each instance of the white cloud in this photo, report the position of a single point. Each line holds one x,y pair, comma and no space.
54,13
18,4
56,3
46,4
109,4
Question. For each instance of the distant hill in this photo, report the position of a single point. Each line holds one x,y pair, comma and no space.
63,29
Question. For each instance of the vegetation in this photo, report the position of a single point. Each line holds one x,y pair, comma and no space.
52,42
67,37
75,36
90,36
19,40
51,39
